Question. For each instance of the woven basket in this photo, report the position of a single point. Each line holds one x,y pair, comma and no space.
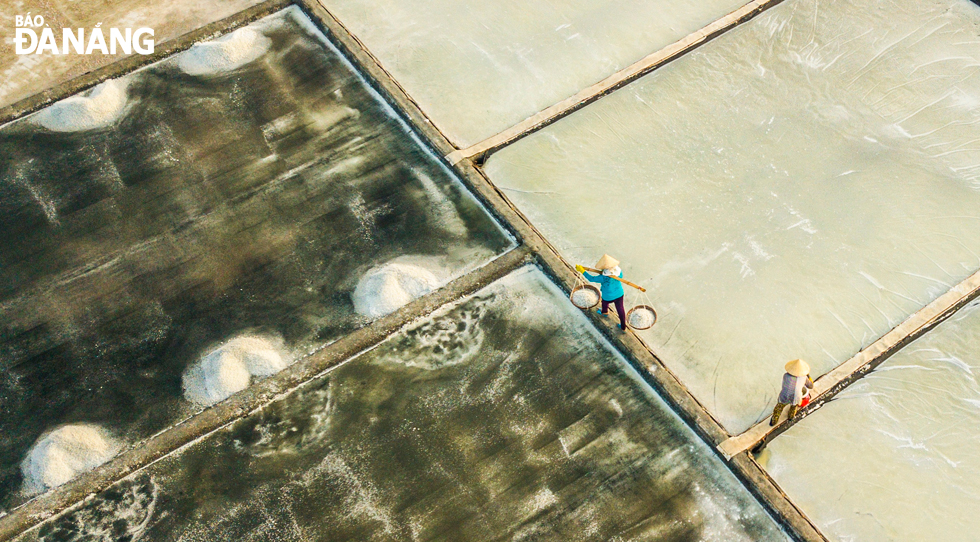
592,287
641,308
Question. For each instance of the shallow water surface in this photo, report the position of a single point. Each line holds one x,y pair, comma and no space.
793,189
476,67
894,456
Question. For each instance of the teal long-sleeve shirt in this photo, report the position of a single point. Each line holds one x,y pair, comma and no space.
611,288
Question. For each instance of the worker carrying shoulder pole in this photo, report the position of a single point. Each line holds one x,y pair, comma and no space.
609,286
796,390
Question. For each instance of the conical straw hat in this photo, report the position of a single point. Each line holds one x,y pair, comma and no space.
798,367
606,262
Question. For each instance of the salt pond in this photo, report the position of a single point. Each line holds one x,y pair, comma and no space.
794,188
505,416
894,456
478,67
159,216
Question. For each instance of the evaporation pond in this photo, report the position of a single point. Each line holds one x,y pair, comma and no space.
478,67
503,417
793,189
236,192
894,456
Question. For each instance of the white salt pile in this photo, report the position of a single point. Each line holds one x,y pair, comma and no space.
384,289
261,358
230,368
220,374
641,318
66,452
224,54
585,298
102,106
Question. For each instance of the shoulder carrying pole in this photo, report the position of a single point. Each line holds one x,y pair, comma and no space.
626,282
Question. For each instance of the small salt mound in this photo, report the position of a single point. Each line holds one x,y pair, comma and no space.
585,298
384,289
641,318
103,105
261,358
63,454
220,374
224,54
230,367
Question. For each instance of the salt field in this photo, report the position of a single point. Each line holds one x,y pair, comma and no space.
174,234
476,68
286,280
793,189
894,456
504,416
24,75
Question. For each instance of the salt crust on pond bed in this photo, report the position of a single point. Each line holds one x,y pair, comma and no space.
224,54
100,108
63,454
229,369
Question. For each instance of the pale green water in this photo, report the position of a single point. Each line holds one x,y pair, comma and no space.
795,188
894,457
478,67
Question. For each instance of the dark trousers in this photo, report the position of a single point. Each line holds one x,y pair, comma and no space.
620,309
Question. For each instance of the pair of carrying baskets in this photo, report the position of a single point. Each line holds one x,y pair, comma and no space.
641,316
